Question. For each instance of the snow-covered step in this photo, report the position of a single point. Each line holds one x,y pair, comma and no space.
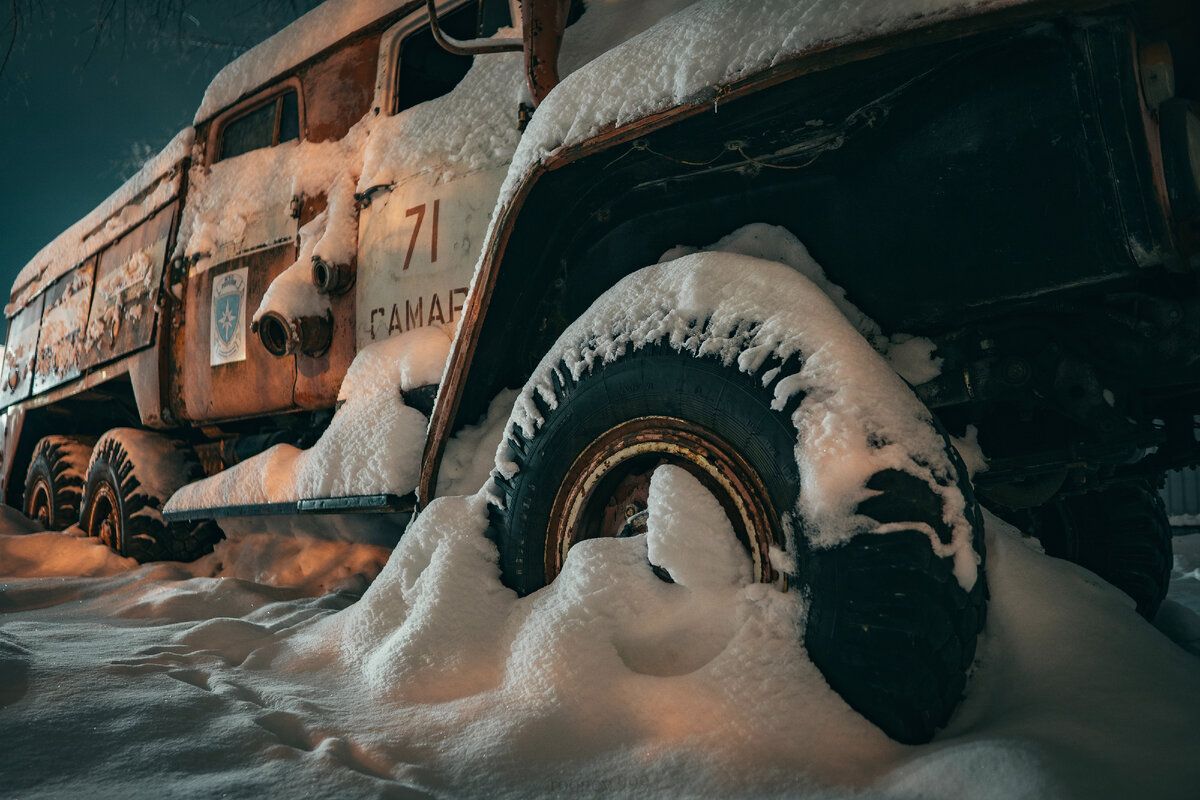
353,504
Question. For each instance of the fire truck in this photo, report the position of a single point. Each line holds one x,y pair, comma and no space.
1015,182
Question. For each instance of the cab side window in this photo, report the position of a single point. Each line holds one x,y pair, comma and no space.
426,70
274,121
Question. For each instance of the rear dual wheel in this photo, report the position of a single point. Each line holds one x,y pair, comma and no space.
888,624
131,475
54,482
1121,533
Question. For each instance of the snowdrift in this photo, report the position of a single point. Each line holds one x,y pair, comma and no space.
158,680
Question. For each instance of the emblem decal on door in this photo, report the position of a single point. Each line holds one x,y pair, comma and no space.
227,336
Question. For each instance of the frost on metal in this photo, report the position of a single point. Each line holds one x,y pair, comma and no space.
64,321
857,416
244,204
317,30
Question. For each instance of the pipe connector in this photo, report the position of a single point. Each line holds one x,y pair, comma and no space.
332,279
284,336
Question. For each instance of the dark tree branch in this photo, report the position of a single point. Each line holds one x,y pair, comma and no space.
12,39
159,23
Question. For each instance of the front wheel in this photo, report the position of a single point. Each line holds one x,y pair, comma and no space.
888,624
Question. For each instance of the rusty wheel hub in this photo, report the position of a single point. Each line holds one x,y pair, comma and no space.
605,491
39,503
105,521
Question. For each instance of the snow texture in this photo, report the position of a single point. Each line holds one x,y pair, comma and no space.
311,565
857,416
970,452
1175,618
471,128
608,683
232,204
372,446
28,552
469,457
679,506
153,185
911,357
695,48
293,293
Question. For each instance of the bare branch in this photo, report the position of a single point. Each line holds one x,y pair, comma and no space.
12,40
122,25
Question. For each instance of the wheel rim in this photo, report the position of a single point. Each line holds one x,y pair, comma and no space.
105,520
39,503
604,492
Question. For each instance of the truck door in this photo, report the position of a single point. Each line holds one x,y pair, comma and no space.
240,226
420,236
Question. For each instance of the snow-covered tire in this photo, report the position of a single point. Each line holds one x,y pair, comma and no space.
131,475
888,624
1121,533
54,482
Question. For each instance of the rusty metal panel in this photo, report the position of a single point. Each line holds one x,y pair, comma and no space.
12,422
319,379
64,324
128,277
19,351
338,90
542,24
257,384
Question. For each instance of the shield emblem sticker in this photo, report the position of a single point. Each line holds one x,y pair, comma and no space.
227,337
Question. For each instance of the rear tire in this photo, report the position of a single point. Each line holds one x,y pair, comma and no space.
132,474
1121,533
54,482
888,624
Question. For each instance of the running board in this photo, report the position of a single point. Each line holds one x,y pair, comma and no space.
355,504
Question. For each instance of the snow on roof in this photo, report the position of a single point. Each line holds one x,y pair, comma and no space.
320,28
154,184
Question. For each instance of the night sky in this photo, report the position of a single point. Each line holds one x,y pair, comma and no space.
73,127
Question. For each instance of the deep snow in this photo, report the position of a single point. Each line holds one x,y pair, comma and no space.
271,680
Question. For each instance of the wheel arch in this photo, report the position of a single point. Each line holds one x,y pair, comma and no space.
592,212
88,413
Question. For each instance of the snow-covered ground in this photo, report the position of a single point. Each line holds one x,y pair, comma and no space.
269,669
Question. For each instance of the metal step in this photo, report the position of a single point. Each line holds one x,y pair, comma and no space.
354,504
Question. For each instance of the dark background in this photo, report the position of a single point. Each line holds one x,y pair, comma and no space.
92,88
